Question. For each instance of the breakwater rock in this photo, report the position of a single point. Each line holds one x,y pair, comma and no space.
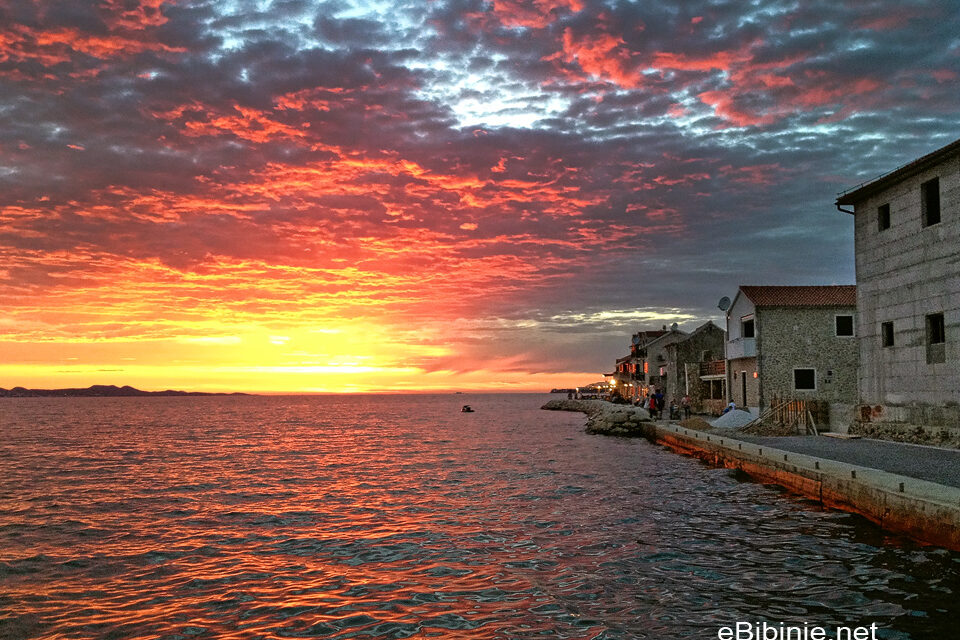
606,418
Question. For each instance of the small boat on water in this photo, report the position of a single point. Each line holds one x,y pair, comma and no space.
466,409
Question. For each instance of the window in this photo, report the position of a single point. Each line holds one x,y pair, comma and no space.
716,390
936,337
886,334
930,201
883,217
746,327
805,379
845,326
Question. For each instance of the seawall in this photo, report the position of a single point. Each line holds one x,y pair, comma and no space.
925,511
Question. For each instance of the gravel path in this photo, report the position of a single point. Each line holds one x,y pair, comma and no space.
926,463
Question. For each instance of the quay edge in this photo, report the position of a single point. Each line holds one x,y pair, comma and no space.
925,511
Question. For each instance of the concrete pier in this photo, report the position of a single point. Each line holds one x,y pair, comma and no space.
926,511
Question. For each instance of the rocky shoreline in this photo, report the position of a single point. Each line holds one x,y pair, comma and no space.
605,418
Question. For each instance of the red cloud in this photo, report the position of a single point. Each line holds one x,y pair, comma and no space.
49,47
515,13
723,105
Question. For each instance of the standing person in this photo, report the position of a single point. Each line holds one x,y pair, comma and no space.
659,397
685,405
650,404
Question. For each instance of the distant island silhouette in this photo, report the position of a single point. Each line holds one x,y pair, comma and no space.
101,391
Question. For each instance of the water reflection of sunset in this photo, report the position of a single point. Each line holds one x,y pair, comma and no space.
372,516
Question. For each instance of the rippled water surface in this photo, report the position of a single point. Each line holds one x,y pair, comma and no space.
397,517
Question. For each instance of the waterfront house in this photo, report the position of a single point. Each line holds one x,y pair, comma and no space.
794,343
653,359
629,375
692,369
907,245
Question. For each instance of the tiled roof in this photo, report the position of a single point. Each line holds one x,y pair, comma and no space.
805,296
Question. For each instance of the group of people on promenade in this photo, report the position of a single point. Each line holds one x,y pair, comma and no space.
654,402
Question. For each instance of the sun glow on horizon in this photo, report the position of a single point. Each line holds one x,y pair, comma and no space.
371,196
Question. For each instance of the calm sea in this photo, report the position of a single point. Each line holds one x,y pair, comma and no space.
399,517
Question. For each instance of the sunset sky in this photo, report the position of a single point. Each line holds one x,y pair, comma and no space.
296,196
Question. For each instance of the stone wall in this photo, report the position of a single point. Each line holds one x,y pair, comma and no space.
904,273
792,338
689,351
919,424
700,400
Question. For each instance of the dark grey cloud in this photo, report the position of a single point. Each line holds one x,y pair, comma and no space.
628,154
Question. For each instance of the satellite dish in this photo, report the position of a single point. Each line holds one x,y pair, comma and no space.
724,303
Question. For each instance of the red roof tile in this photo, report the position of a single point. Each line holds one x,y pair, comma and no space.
805,296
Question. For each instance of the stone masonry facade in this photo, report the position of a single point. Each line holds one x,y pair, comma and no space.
806,338
707,340
908,294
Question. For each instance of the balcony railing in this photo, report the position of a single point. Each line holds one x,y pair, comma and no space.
713,368
741,348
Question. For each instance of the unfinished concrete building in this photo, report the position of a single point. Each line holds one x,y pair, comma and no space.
907,243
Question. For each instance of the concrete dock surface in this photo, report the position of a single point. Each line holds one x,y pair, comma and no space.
933,464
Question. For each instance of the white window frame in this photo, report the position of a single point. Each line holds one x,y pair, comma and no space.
853,325
795,369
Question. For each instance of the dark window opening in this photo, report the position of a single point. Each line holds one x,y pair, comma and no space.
936,337
716,390
935,329
747,328
883,217
886,334
844,326
804,379
930,201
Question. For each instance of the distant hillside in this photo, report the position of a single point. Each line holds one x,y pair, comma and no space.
100,391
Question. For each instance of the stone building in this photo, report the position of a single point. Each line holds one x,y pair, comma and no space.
907,244
654,359
647,363
794,343
685,358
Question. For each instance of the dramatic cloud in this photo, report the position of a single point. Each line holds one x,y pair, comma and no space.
348,195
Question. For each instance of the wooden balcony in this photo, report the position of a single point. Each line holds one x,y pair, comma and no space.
713,369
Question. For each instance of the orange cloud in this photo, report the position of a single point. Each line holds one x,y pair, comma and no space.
535,15
723,105
602,56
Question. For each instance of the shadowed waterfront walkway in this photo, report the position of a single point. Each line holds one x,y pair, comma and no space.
925,463
906,488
